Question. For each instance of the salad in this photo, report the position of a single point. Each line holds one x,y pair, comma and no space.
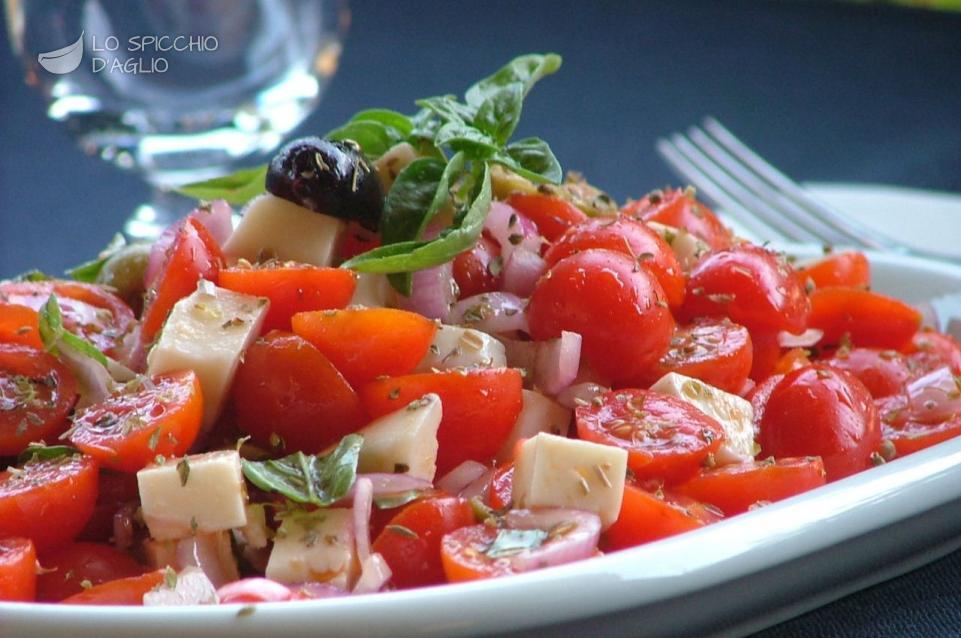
424,355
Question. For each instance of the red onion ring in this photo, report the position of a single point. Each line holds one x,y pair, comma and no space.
522,269
432,292
575,535
579,394
935,397
479,486
491,312
254,590
806,339
556,362
217,218
315,591
461,476
363,501
512,230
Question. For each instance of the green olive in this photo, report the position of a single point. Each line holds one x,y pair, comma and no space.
124,271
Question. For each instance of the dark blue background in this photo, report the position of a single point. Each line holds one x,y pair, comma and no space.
828,91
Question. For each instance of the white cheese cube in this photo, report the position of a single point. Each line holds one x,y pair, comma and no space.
734,414
538,414
211,553
272,227
315,547
255,533
688,248
208,332
554,471
192,587
196,494
456,347
390,164
404,441
372,291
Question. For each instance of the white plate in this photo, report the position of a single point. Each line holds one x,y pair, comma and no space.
738,575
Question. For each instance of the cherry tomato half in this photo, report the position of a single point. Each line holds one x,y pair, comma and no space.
479,269
839,269
679,208
73,565
716,351
869,319
18,570
552,215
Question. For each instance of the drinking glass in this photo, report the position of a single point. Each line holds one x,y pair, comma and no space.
177,90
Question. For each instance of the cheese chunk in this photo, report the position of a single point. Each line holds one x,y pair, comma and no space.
538,414
456,347
255,533
192,587
195,494
390,164
404,441
554,471
274,228
211,553
688,248
315,547
372,291
208,332
734,414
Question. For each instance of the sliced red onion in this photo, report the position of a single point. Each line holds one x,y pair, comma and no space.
217,218
512,230
254,590
94,380
557,362
491,312
479,486
432,292
935,397
191,588
461,476
522,269
579,394
363,501
573,535
374,574
159,253
315,591
806,339
212,553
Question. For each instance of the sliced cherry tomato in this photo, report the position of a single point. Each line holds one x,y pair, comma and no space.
75,564
618,309
128,430
883,372
849,269
736,488
646,517
665,438
759,396
552,215
37,393
192,256
410,543
826,412
357,240
913,436
19,324
18,570
634,239
718,352
365,343
122,591
679,208
500,491
117,490
48,501
287,392
463,555
478,270
291,288
480,408
752,286
929,350
870,319
767,351
792,360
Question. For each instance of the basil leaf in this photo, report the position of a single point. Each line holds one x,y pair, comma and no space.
448,109
475,143
52,332
397,500
236,188
392,119
510,542
32,275
531,158
499,114
45,452
526,69
87,272
374,138
314,479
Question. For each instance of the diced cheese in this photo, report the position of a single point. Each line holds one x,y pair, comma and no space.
195,494
390,164
255,533
538,414
687,248
272,227
734,414
456,347
372,291
208,332
315,547
192,587
554,471
404,441
211,553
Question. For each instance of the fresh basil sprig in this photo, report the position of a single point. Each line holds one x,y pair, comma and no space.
87,272
53,332
236,188
306,478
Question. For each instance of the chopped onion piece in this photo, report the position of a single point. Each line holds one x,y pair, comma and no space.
572,536
557,362
935,397
491,312
461,476
432,293
217,218
191,588
363,501
385,484
374,574
94,380
579,394
254,590
806,339
522,269
479,486
512,230
315,590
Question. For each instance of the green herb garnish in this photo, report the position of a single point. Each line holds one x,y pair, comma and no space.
87,272
236,188
514,541
52,332
41,452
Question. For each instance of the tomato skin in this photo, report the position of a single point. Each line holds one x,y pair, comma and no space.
718,352
616,307
18,570
822,411
462,555
288,388
77,562
912,436
122,591
766,352
883,372
473,271
37,393
735,488
49,501
128,430
500,490
849,269
665,438
750,285
929,350
759,396
480,408
679,208
870,319
416,562
552,215
19,324
645,517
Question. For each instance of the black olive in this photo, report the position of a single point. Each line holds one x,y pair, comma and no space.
328,177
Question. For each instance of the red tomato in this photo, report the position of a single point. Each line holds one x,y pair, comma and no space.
822,411
357,240
19,324
646,517
869,319
552,215
736,488
759,396
616,307
930,350
634,239
37,393
287,388
74,563
478,270
365,343
410,543
752,286
128,430
792,360
18,570
718,352
665,438
913,436
766,352
48,501
291,288
463,556
839,269
192,256
680,209
480,408
500,491
122,591
117,490
883,372
88,311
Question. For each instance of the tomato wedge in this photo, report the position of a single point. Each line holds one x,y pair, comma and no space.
122,591
869,319
500,491
716,351
18,570
883,372
37,393
68,568
913,436
463,557
679,208
665,438
552,215
19,324
645,517
849,269
930,350
479,269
